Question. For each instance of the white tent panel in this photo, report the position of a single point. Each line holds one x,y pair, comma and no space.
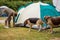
54,2
57,4
19,13
30,11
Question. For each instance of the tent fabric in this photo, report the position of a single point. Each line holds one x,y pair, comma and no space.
19,13
48,11
37,10
20,10
56,3
30,11
3,14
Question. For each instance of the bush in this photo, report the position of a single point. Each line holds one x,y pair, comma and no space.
15,4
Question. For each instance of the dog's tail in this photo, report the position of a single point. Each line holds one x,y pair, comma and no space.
25,22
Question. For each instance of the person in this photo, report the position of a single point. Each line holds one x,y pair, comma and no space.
31,21
11,13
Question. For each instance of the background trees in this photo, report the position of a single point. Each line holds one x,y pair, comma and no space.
15,4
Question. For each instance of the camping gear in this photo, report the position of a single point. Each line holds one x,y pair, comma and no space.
37,10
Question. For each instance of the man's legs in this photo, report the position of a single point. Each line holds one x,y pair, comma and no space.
7,22
13,20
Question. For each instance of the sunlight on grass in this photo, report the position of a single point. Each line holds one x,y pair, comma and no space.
21,33
2,18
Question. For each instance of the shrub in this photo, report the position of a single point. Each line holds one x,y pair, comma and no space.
15,4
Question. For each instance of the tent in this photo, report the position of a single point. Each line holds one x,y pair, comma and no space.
37,10
56,3
3,14
20,10
19,13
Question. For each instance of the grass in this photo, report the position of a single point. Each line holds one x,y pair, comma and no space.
2,18
21,33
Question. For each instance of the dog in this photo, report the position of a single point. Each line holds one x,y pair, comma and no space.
32,21
52,21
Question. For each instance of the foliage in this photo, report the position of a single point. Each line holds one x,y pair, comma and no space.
15,4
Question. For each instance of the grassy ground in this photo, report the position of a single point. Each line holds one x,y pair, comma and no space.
21,33
2,18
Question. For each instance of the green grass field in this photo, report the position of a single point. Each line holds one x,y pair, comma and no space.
21,33
2,18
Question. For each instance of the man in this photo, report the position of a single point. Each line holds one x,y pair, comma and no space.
11,13
31,21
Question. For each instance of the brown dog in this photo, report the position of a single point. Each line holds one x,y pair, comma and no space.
52,21
32,21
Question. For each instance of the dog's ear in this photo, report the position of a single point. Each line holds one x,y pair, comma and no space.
47,17
25,22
